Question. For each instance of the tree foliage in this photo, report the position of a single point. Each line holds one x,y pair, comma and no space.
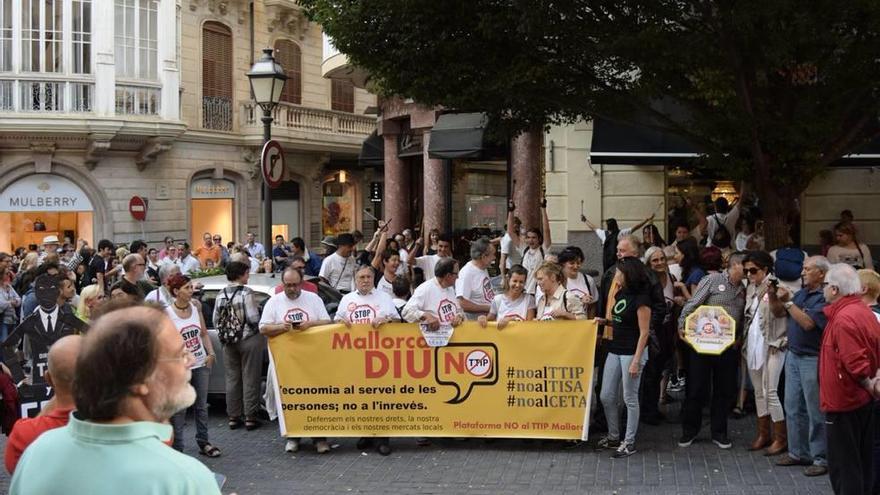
773,91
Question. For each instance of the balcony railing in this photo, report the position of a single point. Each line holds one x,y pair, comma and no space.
217,113
298,117
46,96
137,100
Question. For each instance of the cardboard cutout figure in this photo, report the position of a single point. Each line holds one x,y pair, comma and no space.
39,330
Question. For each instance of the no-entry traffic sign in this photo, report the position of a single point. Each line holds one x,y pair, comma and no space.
272,163
137,206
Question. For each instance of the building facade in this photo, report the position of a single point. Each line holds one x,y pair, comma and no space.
104,100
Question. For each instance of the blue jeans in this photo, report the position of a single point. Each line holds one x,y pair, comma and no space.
617,371
806,423
200,379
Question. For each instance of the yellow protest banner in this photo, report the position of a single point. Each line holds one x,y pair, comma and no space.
530,380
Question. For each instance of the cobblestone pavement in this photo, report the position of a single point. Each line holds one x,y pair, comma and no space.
255,463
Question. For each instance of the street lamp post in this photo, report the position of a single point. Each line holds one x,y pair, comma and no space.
267,81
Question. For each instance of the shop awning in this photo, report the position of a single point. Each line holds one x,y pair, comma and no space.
372,151
630,144
458,135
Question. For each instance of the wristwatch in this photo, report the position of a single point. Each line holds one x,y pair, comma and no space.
787,305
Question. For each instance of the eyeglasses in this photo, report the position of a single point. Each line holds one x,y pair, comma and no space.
217,239
752,270
185,357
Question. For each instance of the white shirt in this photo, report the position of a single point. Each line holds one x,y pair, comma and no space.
427,264
532,259
359,308
473,284
432,299
384,285
514,253
603,234
44,316
577,286
404,256
256,250
339,272
728,219
504,307
190,264
281,309
160,296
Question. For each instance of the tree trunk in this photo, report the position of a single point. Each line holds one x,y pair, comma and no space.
778,208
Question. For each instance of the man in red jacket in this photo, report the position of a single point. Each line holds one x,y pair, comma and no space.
848,362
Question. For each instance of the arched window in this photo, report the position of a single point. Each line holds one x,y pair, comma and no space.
342,95
216,77
288,54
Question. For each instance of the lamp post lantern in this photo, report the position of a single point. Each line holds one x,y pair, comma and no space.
267,79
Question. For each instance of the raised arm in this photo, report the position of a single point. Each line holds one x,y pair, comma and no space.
590,225
545,224
380,248
644,222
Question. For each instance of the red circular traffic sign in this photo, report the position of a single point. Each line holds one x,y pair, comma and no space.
137,206
272,163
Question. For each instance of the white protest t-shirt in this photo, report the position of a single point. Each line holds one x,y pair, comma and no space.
427,263
504,307
513,252
473,284
339,272
404,256
358,308
191,331
384,285
435,300
532,259
281,309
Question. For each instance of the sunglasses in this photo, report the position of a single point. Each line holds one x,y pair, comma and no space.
752,270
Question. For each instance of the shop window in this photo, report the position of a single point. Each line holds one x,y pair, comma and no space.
479,196
337,212
288,54
212,209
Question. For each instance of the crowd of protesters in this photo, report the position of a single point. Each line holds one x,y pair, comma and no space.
806,356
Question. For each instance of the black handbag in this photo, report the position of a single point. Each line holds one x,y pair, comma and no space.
39,226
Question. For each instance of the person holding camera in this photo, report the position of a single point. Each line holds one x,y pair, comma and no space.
765,348
294,310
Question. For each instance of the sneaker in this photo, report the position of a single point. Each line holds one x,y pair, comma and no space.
322,447
625,450
292,445
608,443
675,385
721,441
686,439
787,460
816,470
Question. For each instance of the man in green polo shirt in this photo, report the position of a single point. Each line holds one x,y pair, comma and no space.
132,375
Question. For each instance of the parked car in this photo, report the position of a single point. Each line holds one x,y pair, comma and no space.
264,285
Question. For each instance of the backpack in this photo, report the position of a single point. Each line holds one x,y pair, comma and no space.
720,230
230,326
789,263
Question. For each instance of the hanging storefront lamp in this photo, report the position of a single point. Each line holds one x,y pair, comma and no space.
725,189
342,176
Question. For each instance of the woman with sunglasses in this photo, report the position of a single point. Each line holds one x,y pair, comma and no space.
765,345
200,351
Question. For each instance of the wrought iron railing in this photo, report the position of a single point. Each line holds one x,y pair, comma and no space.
217,113
137,100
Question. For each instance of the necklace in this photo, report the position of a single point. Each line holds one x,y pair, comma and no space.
178,307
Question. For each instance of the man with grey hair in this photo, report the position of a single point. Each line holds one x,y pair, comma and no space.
162,294
848,362
135,266
806,321
473,287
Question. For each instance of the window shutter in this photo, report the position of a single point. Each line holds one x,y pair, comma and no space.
217,61
288,54
342,95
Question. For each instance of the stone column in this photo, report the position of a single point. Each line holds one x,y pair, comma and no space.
104,50
525,157
169,72
436,186
396,198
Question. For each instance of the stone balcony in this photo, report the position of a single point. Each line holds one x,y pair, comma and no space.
335,65
308,128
